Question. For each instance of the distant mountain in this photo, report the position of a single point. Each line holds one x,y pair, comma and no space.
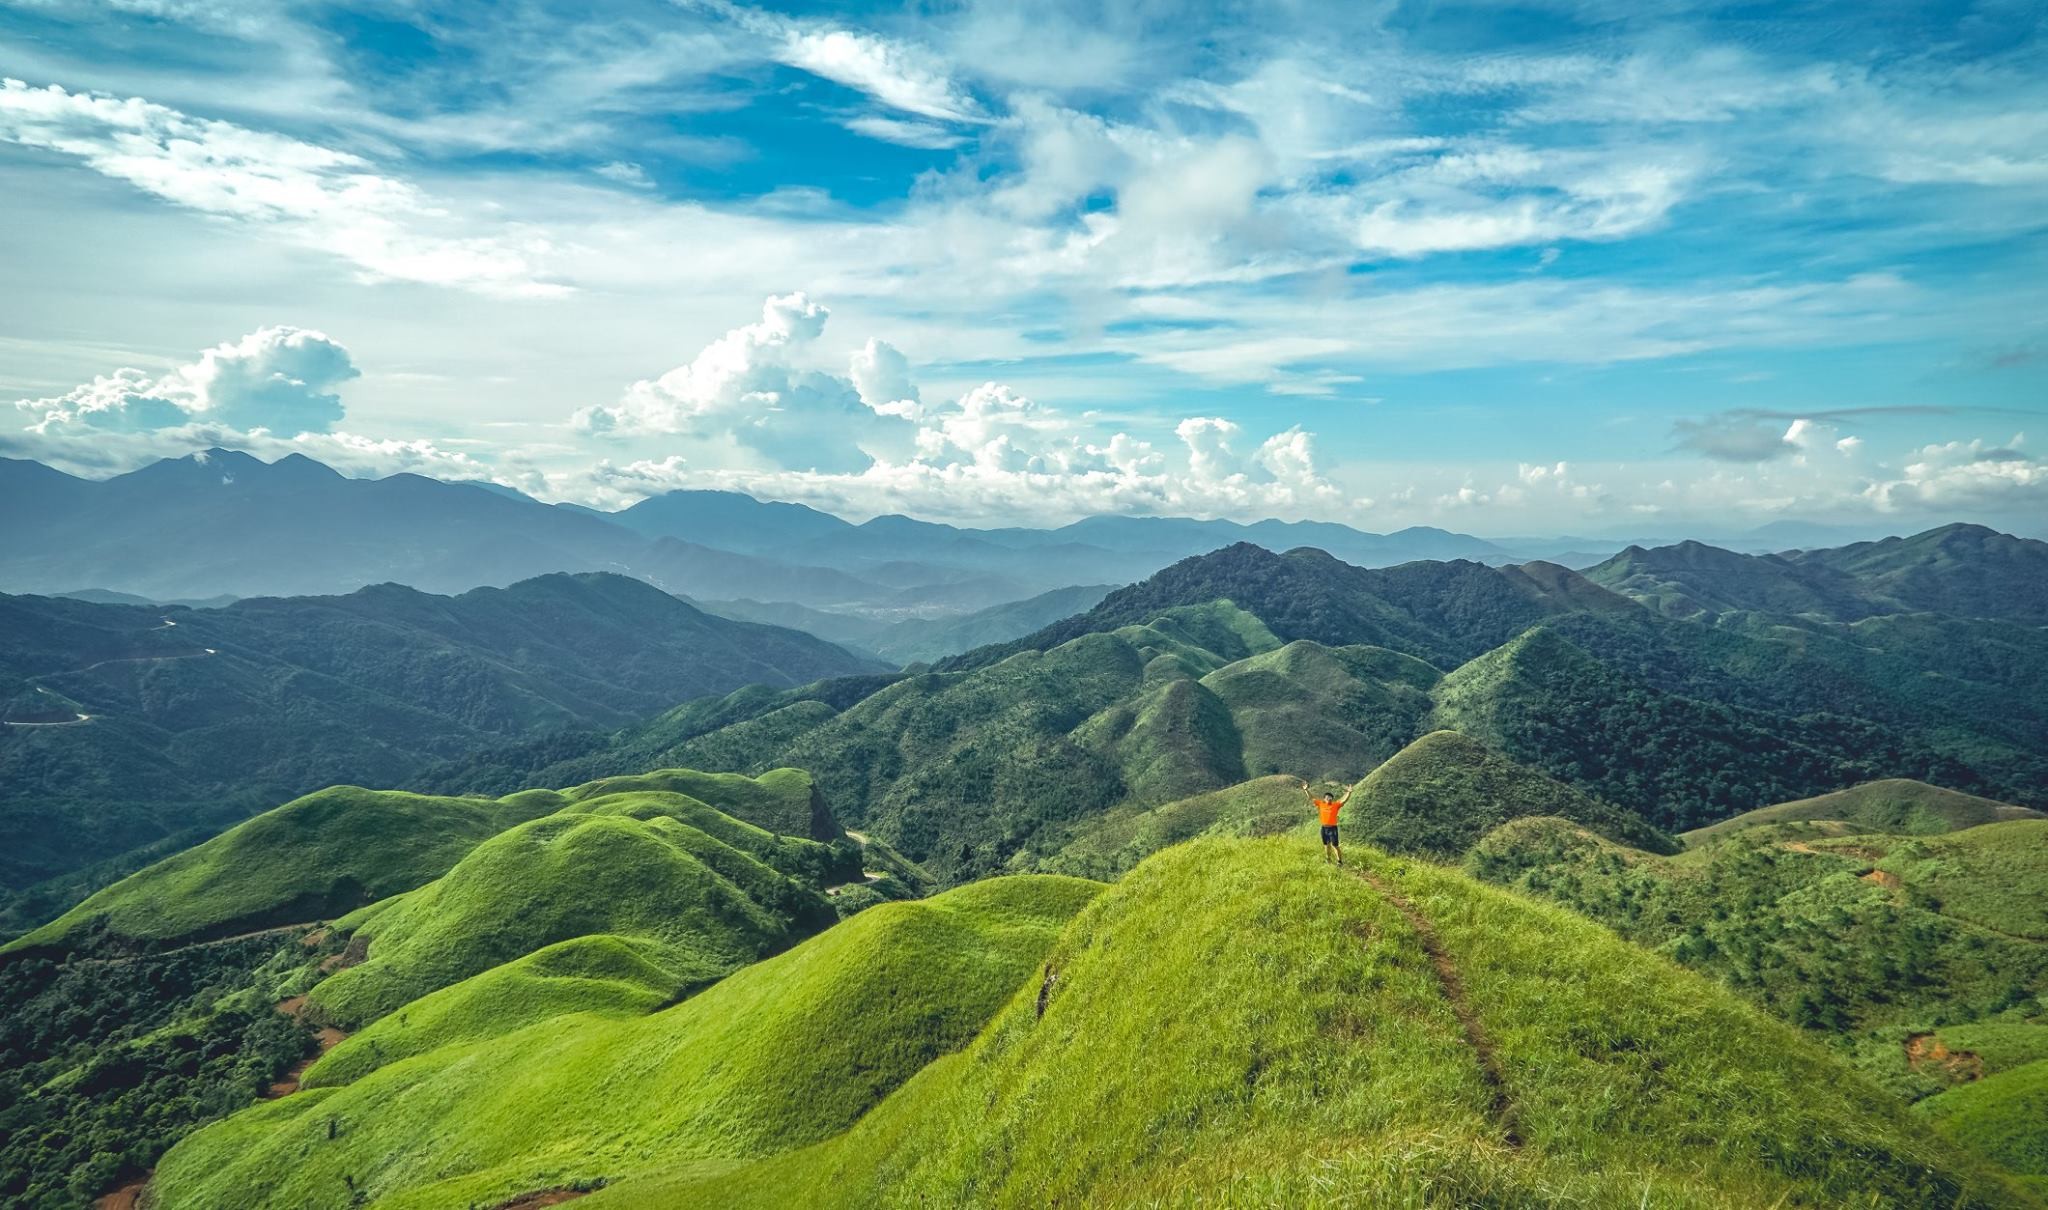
729,521
194,718
1962,570
915,640
1441,612
223,522
1965,571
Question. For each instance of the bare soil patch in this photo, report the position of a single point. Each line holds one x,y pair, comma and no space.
542,1197
1925,1052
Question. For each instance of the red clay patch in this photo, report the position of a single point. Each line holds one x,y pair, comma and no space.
542,1197
127,1197
1925,1052
1884,878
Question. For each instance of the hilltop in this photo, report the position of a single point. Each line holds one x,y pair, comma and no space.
1892,805
343,848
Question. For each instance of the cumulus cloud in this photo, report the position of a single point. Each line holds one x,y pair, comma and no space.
990,449
748,387
278,379
331,201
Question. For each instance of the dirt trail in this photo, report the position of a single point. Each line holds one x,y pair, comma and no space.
327,1036
1503,1106
278,930
542,1197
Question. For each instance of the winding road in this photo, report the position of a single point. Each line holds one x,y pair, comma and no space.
83,717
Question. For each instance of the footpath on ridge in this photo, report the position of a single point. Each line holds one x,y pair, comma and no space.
1454,991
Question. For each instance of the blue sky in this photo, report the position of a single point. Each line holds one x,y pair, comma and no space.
1508,268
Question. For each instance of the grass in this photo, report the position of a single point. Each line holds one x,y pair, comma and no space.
603,975
1438,796
334,851
314,857
786,1052
2000,1117
1237,1023
1897,805
713,892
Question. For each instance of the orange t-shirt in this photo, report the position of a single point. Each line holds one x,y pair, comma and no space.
1329,808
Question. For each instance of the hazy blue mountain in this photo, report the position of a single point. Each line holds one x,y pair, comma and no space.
728,521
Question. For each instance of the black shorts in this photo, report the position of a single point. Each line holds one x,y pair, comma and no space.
1329,833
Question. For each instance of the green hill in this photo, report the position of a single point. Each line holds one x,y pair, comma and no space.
786,1052
1677,761
1694,580
1867,937
1308,1036
336,850
1321,712
712,892
1892,805
1438,796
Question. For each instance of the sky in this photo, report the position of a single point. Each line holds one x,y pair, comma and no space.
1583,266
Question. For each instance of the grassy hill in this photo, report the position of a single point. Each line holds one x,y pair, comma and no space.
965,771
1438,796
1892,805
338,849
1869,938
712,892
1308,1036
784,1053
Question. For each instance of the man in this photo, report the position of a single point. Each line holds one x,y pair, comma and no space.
1326,809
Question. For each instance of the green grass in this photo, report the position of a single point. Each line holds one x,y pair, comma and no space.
2003,1117
1894,805
1237,1023
311,858
1438,796
1994,876
786,1052
715,893
604,975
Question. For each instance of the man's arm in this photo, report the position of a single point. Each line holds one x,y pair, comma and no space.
1346,800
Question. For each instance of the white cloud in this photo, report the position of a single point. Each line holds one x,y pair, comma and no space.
747,388
625,172
316,197
278,379
926,136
